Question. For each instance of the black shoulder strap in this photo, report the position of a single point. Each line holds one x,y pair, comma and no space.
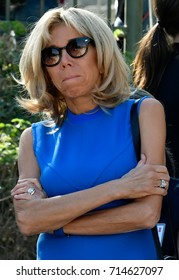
135,128
137,145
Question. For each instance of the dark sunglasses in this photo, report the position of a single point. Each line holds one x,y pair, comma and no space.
76,48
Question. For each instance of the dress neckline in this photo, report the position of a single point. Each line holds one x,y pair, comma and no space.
83,117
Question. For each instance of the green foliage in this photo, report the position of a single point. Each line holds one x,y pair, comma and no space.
17,26
10,49
12,244
13,121
8,91
9,138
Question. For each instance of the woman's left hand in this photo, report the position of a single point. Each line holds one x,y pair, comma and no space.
28,189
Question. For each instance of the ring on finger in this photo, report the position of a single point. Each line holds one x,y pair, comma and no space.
31,191
163,184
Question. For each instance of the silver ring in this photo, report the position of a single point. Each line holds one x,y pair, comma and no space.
31,191
163,184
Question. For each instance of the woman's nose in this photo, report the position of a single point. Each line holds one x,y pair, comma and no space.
66,59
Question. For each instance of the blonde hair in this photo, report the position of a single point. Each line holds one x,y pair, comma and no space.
43,96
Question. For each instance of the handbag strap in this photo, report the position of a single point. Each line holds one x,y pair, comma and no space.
134,119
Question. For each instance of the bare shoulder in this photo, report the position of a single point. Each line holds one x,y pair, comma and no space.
151,105
151,110
26,137
152,116
26,134
27,162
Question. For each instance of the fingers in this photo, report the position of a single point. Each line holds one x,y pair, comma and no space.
159,175
34,181
23,182
146,178
28,189
153,170
160,191
164,184
142,161
158,168
162,176
143,158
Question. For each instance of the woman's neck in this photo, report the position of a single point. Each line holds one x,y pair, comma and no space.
83,106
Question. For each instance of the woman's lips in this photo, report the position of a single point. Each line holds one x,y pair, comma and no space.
70,78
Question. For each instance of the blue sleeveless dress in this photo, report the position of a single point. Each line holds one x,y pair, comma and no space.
89,149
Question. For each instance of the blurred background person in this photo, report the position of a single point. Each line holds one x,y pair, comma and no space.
156,69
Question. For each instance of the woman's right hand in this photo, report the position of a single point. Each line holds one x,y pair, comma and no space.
145,179
28,189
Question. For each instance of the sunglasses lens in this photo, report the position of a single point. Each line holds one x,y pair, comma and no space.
77,47
51,56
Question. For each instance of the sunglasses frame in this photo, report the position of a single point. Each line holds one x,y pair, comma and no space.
86,41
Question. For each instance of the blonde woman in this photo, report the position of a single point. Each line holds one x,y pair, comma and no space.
80,186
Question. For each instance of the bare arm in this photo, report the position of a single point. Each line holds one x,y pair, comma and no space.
144,212
38,215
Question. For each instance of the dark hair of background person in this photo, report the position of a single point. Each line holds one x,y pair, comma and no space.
156,67
156,47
